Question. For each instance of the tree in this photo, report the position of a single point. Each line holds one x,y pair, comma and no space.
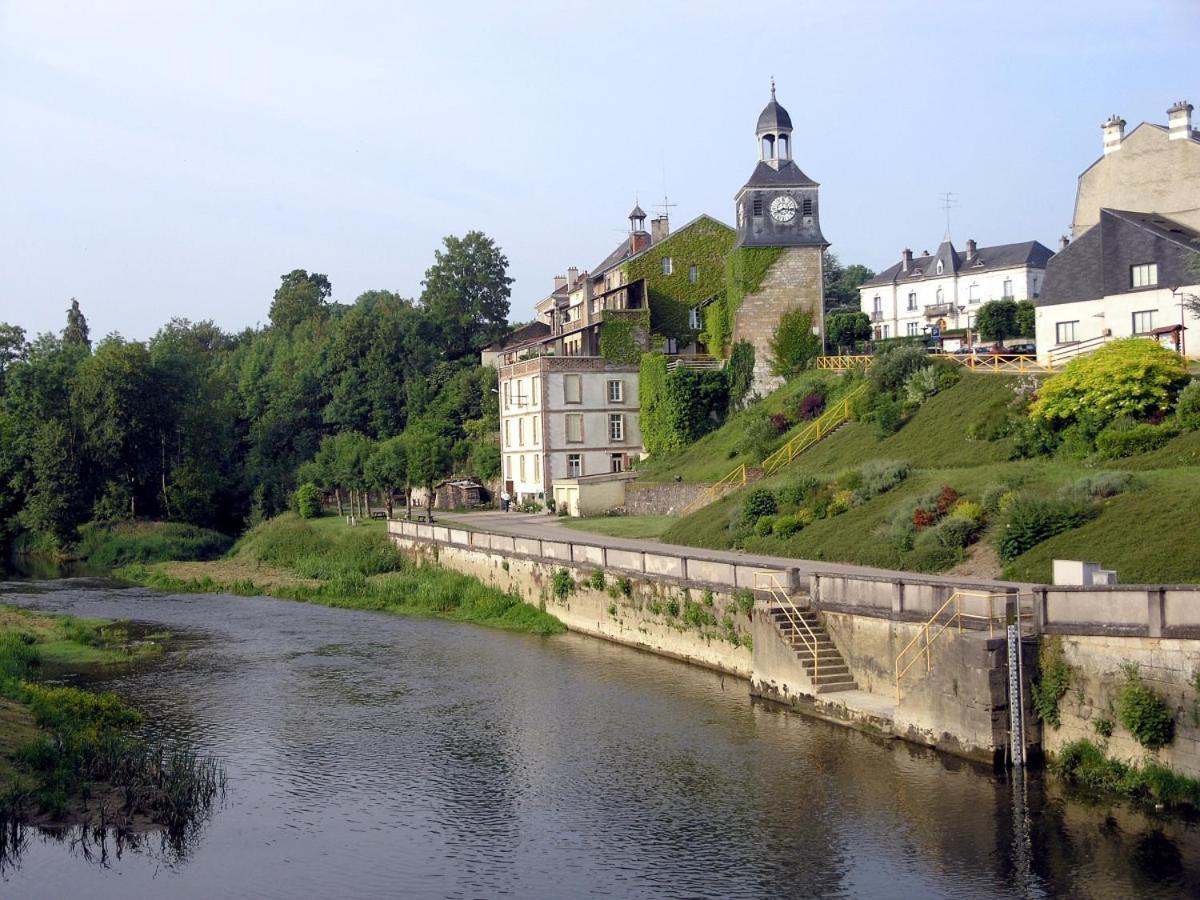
466,293
387,468
55,504
842,283
1026,319
12,348
428,454
299,297
997,320
794,346
846,329
76,332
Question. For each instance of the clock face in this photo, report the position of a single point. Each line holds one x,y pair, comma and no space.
783,209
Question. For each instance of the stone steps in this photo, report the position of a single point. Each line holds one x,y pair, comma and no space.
832,674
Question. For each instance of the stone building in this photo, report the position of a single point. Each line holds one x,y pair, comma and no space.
778,209
945,290
1135,257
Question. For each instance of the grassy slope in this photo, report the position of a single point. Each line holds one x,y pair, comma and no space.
934,442
122,543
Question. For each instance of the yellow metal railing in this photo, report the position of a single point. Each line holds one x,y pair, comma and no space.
834,416
718,489
921,646
769,583
843,362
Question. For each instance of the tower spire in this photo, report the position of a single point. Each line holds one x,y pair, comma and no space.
772,87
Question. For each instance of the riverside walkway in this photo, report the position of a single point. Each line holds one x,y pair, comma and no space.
540,525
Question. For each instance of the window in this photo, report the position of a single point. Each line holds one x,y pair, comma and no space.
886,334
758,204
572,389
973,293
520,432
507,433
574,465
1064,332
912,300
537,428
693,274
522,468
616,392
912,329
535,396
940,267
1008,291
877,309
616,462
507,394
1145,275
616,427
575,428
507,468
940,297
537,469
694,320
1036,288
1143,322
667,266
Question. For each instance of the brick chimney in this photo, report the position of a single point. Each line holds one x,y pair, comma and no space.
971,249
660,227
1114,133
572,277
560,283
1063,243
905,260
1179,121
639,241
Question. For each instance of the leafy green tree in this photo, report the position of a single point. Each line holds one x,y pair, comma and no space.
428,454
740,373
794,346
466,292
997,320
76,333
1026,319
842,283
13,347
846,329
56,502
308,501
387,468
299,298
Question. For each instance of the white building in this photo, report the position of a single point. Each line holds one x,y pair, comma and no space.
946,289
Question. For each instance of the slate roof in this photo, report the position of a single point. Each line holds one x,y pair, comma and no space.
526,334
1001,256
787,175
623,252
774,117
1098,263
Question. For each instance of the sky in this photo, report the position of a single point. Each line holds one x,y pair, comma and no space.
163,160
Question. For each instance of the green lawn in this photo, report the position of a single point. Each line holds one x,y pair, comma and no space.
623,526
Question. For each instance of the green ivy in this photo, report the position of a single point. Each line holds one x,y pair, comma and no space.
1054,678
678,407
1143,712
621,334
705,243
745,269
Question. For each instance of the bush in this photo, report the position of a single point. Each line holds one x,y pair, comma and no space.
839,503
1082,762
1187,409
764,526
1098,487
1116,443
1054,678
308,501
1031,519
794,346
758,434
879,476
597,580
814,404
740,373
920,385
888,416
968,510
126,543
798,490
744,599
786,526
780,422
758,503
1143,712
991,497
563,584
625,586
1133,377
893,367
1032,438
954,532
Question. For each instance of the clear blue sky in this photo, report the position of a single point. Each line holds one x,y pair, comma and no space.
175,158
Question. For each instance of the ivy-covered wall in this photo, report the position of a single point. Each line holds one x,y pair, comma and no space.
705,243
680,406
745,269
624,334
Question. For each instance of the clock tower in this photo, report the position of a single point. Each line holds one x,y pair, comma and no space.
778,206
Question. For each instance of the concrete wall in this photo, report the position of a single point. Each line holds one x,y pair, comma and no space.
1167,665
643,619
1171,611
667,499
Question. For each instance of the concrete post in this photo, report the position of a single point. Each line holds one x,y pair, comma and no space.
897,598
683,568
1155,600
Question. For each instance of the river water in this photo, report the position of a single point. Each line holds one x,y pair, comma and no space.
372,755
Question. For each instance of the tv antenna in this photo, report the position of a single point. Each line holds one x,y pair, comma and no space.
666,206
948,200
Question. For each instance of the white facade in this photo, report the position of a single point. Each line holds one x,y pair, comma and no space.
1062,326
566,417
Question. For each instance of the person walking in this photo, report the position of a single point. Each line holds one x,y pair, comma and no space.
505,501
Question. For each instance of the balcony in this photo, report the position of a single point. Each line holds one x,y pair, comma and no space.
877,316
938,310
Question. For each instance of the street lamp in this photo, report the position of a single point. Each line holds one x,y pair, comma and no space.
961,310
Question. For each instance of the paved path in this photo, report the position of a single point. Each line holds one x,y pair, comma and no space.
540,525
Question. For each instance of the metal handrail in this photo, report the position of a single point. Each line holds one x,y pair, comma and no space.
736,478
779,594
955,599
825,423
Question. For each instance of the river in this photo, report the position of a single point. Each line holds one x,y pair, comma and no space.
372,755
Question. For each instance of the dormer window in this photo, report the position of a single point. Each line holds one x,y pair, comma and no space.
940,267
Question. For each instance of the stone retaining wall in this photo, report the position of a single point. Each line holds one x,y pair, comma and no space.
666,499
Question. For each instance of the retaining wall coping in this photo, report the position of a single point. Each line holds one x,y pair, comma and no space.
991,587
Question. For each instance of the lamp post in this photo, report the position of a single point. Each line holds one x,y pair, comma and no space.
961,311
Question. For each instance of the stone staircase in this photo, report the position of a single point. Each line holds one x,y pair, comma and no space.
831,672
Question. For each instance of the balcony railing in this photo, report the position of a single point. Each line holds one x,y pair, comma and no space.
937,310
877,316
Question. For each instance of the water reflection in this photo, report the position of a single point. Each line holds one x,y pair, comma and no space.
377,756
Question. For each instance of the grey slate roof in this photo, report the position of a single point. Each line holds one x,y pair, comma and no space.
623,252
526,334
787,175
1098,263
774,117
1002,256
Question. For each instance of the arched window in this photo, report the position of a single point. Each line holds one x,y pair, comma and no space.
783,146
768,146
940,269
940,295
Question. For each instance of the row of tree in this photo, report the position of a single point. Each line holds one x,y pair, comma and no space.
202,426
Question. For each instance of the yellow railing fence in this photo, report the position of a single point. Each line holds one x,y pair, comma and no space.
769,583
737,478
830,419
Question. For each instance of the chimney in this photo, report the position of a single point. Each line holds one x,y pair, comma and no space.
572,277
560,283
924,252
1179,121
1114,133
1063,242
905,260
660,227
638,241
971,249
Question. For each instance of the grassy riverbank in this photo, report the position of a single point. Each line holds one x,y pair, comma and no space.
324,561
69,755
